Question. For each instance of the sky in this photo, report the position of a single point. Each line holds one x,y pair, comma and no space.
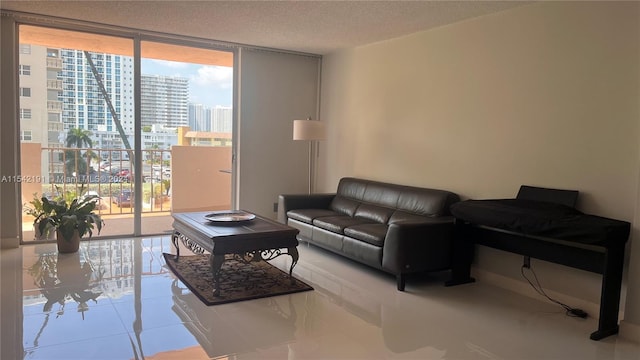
208,85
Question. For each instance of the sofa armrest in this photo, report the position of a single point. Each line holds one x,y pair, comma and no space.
418,246
288,202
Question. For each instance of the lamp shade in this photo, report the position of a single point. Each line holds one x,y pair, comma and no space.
308,130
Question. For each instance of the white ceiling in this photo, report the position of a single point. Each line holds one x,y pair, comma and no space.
318,27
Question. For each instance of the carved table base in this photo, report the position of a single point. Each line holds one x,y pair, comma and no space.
216,260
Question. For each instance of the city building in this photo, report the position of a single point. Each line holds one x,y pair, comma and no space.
199,117
217,119
164,100
84,106
221,119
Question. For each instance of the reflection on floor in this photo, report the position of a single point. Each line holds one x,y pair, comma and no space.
115,299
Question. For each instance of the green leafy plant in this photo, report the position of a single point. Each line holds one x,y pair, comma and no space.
34,208
69,216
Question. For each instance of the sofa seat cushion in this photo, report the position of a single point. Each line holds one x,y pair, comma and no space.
307,215
337,224
373,234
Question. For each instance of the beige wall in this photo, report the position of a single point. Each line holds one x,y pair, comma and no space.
200,180
31,171
545,94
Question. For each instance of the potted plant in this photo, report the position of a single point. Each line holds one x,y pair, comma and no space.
35,209
71,220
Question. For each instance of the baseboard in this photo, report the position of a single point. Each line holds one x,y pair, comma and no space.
629,331
523,288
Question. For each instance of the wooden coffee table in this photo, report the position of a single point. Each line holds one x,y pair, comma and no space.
258,239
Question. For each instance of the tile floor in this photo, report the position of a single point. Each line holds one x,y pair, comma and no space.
115,299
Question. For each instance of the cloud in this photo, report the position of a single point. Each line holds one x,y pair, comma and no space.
218,76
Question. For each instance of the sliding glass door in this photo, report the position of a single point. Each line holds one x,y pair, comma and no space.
93,122
186,121
76,120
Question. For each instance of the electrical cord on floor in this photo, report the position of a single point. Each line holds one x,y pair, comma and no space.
573,312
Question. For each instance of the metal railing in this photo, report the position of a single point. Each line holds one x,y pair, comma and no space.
108,173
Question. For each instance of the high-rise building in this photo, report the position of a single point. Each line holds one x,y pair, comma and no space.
59,91
40,108
199,117
221,119
83,104
164,100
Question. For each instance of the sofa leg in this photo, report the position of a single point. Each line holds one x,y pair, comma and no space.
401,280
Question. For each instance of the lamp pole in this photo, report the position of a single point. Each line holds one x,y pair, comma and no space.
310,162
309,130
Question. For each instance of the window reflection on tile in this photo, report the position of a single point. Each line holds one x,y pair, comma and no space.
116,299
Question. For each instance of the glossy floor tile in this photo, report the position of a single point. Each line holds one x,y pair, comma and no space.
116,299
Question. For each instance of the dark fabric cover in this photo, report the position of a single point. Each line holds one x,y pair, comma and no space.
558,196
542,218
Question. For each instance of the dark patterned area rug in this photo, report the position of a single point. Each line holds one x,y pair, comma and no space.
238,280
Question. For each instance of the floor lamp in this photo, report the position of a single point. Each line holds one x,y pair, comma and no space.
311,131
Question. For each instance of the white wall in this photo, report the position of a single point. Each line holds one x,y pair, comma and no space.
275,88
545,94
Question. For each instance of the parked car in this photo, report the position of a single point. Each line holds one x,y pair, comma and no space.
124,175
124,198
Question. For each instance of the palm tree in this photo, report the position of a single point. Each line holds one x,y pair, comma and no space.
91,155
78,138
74,164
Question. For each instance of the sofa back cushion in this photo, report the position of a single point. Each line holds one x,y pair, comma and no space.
375,213
429,202
382,194
414,200
344,205
352,188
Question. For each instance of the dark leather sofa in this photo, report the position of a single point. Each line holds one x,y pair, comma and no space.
395,228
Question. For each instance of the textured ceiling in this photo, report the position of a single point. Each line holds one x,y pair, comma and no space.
317,27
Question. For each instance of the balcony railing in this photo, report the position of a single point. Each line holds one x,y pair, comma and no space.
54,63
53,105
54,84
109,174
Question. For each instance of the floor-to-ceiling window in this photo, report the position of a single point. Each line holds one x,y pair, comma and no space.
187,125
94,123
77,120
